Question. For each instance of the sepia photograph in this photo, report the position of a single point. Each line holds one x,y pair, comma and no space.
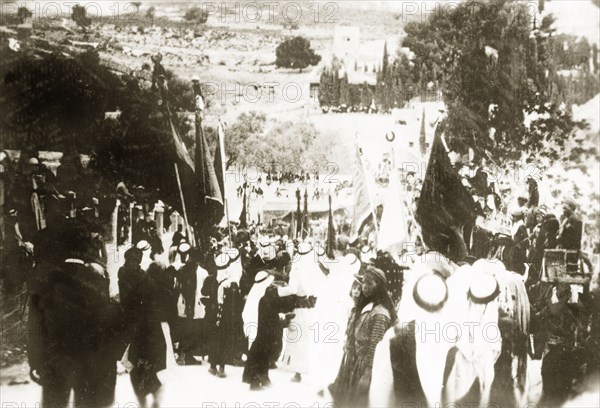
300,204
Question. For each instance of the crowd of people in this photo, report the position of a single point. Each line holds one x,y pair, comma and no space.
232,300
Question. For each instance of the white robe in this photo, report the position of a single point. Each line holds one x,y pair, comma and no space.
332,311
306,278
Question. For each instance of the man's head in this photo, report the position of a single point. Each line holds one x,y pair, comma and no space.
133,256
540,213
374,283
569,206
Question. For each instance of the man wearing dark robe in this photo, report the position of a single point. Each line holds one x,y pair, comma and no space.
271,322
213,334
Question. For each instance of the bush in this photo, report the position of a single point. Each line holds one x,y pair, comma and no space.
151,13
80,18
23,13
196,15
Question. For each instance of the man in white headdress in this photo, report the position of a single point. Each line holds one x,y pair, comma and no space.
416,340
305,280
146,249
331,311
231,305
262,281
213,290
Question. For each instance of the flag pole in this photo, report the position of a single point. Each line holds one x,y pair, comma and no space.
199,160
221,141
228,223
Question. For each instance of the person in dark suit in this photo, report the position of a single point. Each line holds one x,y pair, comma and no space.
544,237
74,339
569,234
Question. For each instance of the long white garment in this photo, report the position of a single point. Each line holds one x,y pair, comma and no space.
250,312
168,373
306,278
199,309
478,349
381,392
331,311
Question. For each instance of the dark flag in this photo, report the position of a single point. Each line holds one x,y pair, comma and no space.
244,214
219,161
305,228
445,205
298,216
330,244
210,199
185,170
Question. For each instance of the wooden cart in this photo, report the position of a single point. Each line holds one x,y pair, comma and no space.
564,266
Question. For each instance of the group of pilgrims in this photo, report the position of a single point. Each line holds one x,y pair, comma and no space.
352,322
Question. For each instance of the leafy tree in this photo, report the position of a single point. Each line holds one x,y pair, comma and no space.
23,13
40,114
196,15
495,72
248,126
385,60
151,13
80,18
335,89
287,146
296,53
